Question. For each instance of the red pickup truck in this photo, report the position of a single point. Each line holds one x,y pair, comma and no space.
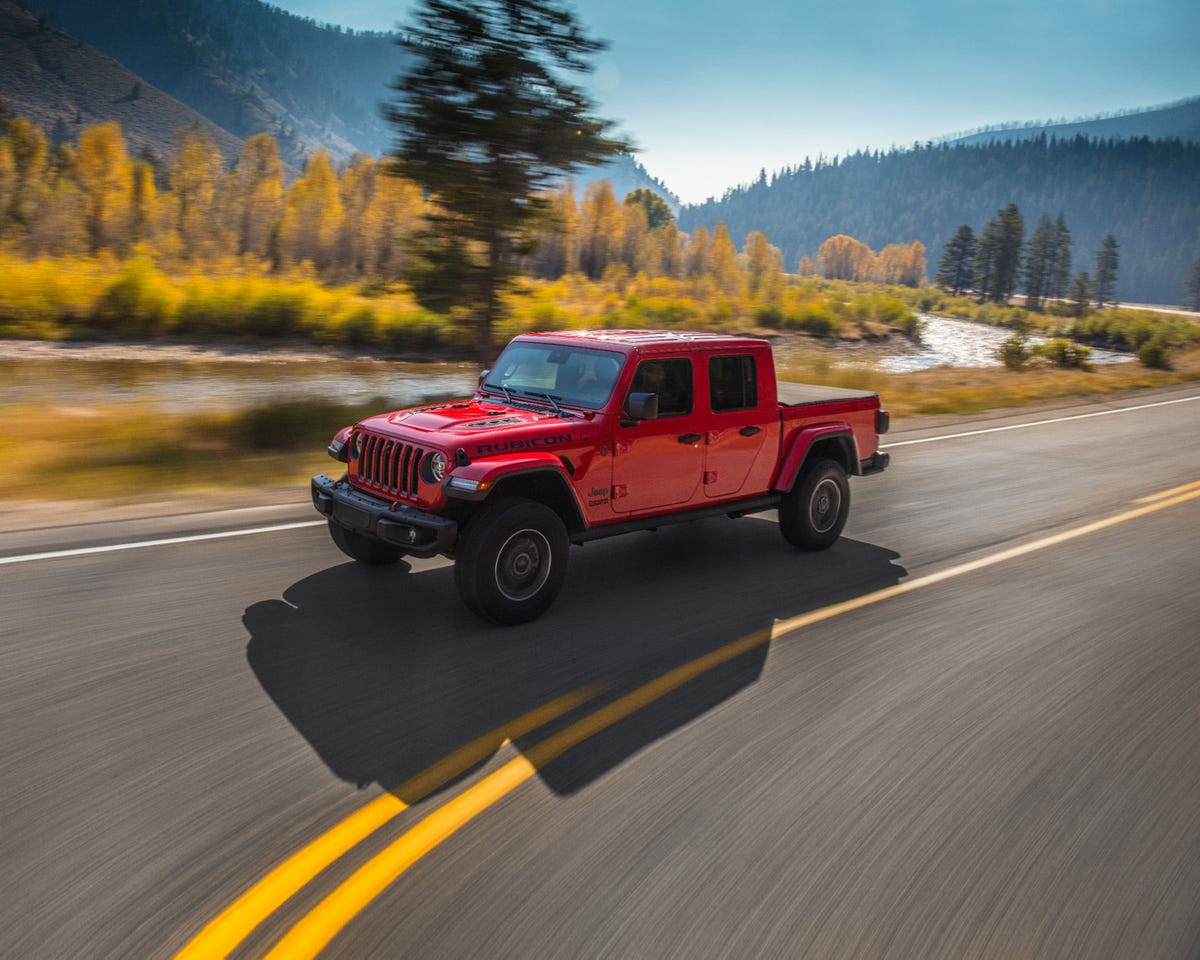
581,435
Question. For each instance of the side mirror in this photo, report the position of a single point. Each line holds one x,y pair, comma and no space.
483,376
641,406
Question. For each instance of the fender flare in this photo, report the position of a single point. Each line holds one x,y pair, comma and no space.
488,476
801,445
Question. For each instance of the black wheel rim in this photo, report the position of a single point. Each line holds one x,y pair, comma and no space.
523,565
825,505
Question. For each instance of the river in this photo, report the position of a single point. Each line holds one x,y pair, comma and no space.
209,379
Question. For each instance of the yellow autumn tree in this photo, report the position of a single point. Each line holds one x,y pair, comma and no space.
255,195
312,218
8,186
600,230
143,203
395,214
724,262
104,172
764,264
844,258
194,176
557,250
902,263
698,258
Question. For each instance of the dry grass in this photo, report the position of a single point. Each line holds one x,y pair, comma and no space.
128,454
945,390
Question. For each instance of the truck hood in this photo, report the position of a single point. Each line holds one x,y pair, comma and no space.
479,426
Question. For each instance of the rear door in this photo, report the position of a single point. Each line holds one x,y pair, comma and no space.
737,450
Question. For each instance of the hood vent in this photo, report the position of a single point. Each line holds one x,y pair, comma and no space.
495,422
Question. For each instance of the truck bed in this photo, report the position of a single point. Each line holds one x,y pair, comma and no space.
801,394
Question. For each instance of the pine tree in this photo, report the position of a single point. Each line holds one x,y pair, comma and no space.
1105,285
956,269
486,122
1191,285
1060,275
1081,293
658,214
1041,258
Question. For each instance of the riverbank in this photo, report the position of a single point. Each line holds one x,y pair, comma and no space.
225,505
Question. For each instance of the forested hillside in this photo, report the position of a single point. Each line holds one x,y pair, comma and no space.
1171,121
249,67
1144,192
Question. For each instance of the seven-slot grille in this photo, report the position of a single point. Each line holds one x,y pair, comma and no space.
389,466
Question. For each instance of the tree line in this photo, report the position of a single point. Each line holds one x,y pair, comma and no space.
357,219
999,261
1142,191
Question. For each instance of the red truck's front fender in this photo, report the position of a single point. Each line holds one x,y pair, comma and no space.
538,476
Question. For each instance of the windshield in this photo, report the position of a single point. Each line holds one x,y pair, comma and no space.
578,376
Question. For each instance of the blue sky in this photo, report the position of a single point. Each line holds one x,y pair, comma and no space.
712,91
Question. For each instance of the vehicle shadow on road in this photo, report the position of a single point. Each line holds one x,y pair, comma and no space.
386,674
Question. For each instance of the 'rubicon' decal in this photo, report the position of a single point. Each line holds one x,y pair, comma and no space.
553,440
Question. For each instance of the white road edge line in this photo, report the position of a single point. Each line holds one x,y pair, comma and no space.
113,548
1037,423
84,551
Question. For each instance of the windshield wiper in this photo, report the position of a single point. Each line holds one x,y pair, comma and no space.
502,388
547,396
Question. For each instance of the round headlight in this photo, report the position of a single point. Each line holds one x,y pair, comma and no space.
437,467
356,445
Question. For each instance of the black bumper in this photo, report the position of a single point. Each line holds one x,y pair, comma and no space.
876,464
416,532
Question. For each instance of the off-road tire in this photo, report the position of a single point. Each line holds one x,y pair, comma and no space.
511,560
813,513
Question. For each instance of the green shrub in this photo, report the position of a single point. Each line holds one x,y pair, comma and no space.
1065,354
1014,352
1155,355
136,304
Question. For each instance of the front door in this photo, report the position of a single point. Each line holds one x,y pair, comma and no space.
660,463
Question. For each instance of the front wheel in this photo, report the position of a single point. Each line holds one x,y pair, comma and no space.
813,513
512,561
363,549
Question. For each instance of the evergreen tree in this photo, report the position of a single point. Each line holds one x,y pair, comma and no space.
1060,274
986,253
956,269
486,122
1008,254
1081,293
1105,285
1191,285
658,214
1041,259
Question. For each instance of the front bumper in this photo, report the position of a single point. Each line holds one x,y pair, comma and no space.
416,532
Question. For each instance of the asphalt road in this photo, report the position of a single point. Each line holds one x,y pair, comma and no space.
971,729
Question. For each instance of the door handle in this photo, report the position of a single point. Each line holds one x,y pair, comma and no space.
750,431
690,438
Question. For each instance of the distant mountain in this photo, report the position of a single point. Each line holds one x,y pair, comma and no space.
248,67
1179,120
64,85
1145,192
626,175
253,68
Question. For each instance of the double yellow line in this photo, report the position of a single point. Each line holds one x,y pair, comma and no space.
321,924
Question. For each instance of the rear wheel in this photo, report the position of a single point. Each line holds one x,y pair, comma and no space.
813,513
361,548
512,560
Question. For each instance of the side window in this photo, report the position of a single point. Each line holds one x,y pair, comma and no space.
732,383
671,380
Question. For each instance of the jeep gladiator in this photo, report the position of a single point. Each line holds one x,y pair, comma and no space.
575,436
